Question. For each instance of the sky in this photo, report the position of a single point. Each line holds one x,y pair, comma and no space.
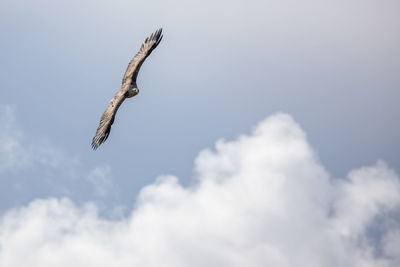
264,133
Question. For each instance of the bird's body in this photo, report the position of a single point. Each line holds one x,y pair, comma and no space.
128,89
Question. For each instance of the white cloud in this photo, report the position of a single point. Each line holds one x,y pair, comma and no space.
262,200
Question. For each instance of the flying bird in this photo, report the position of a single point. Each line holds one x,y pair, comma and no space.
128,89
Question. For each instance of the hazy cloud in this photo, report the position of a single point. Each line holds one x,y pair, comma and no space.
31,168
12,153
261,200
101,178
17,153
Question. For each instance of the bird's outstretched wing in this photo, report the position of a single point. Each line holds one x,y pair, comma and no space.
107,120
130,76
147,47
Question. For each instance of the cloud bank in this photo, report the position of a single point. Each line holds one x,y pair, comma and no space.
261,200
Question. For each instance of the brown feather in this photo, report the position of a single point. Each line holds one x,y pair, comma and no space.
147,47
107,119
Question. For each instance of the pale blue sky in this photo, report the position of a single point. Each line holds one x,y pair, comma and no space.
259,125
221,68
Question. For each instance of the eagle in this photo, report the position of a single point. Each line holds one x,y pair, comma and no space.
129,88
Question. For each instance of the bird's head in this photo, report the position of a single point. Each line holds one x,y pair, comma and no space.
132,92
